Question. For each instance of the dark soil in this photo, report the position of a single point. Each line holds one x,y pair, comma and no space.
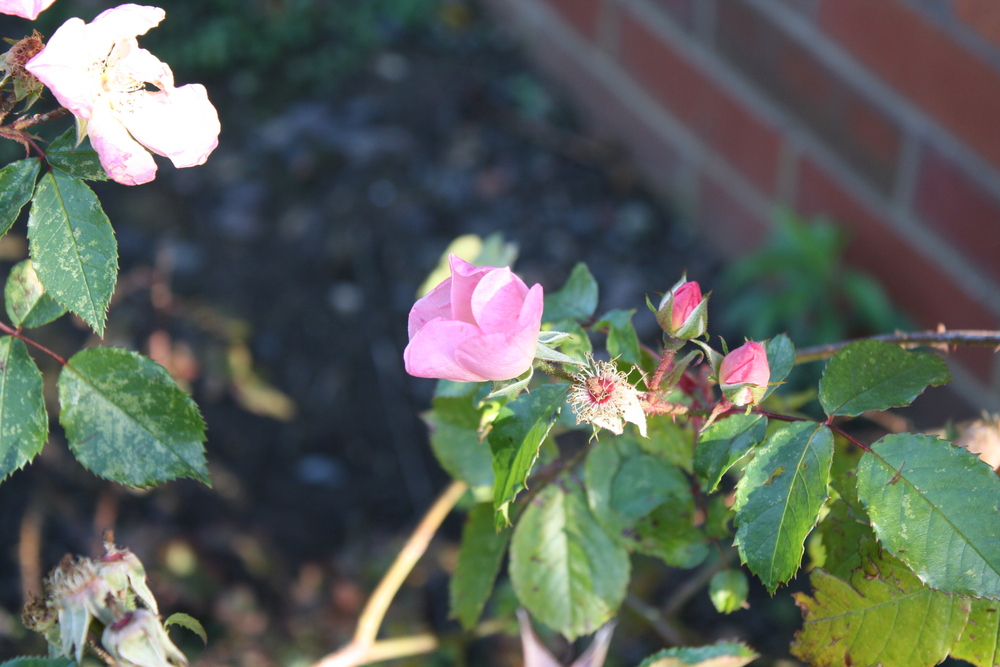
302,241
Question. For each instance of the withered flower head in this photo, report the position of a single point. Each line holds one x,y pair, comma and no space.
78,594
603,396
125,574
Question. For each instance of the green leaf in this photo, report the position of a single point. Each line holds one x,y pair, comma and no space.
780,359
728,590
79,161
724,443
643,483
667,439
452,389
577,345
454,431
577,300
779,497
839,534
187,622
565,570
73,247
883,616
479,561
723,654
518,432
873,375
24,424
37,661
27,303
667,532
127,421
980,641
936,507
512,387
623,342
17,183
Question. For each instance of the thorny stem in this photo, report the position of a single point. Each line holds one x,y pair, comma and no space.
976,337
16,130
16,333
363,648
828,423
554,371
22,123
101,653
666,362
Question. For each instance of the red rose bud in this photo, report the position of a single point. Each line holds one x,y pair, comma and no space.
683,313
744,374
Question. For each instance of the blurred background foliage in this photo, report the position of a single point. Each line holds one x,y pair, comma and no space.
271,51
799,283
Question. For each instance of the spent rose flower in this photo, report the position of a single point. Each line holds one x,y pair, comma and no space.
603,396
26,9
78,594
124,573
744,374
98,72
683,312
138,639
479,324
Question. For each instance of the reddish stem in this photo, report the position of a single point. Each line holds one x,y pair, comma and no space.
666,363
828,423
16,333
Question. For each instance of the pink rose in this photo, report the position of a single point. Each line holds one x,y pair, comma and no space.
686,299
479,324
26,9
744,374
683,313
98,72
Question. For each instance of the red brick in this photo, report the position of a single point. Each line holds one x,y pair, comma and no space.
746,142
960,210
581,14
983,16
727,224
873,133
916,58
680,10
915,284
604,114
862,134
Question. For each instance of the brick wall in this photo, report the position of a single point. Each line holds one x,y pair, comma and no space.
882,114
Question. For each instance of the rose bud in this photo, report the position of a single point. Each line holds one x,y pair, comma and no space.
744,374
683,312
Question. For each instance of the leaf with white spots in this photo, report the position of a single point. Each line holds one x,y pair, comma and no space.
17,182
874,375
80,161
73,247
27,303
936,507
126,419
24,424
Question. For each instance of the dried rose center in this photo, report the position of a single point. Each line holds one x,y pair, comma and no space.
600,389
